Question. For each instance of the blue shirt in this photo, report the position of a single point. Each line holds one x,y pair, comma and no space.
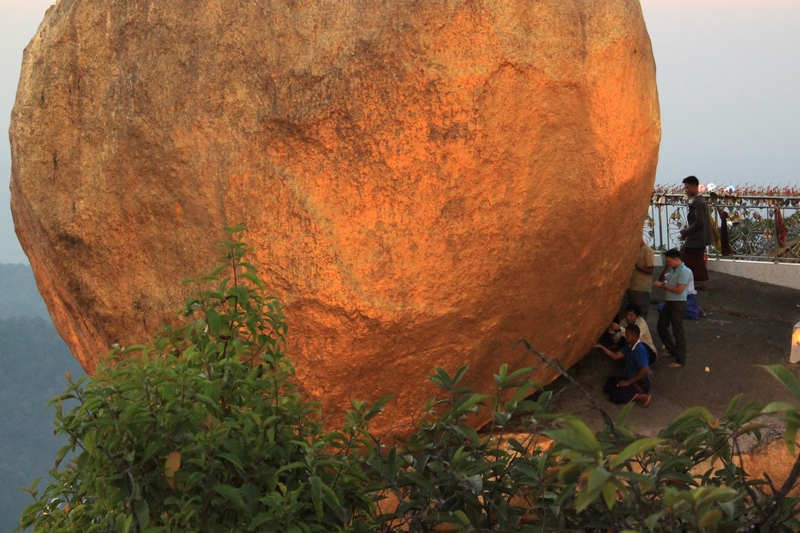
678,276
635,358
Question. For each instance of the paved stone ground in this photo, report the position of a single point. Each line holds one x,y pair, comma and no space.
747,324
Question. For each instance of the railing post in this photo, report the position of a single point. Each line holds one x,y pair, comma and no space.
775,231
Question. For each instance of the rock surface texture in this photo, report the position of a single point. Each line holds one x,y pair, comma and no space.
425,182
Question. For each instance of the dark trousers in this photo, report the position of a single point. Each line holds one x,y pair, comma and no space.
672,316
651,355
695,259
640,298
621,395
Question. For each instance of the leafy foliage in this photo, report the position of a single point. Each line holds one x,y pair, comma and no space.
447,477
204,430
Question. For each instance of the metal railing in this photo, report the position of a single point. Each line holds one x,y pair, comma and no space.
751,226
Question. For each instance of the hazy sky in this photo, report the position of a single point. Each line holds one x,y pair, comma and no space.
728,75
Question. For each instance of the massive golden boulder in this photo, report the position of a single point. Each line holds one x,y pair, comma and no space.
425,182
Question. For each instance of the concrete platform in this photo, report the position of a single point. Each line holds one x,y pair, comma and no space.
748,323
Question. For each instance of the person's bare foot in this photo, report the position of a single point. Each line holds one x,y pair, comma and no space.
644,399
674,365
665,354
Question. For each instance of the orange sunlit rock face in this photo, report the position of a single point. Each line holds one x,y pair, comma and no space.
425,182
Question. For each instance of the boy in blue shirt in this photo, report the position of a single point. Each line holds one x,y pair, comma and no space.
635,386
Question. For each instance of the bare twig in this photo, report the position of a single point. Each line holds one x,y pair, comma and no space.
562,371
603,413
132,501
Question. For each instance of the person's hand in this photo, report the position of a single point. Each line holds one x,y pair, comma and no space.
623,383
615,326
684,232
658,284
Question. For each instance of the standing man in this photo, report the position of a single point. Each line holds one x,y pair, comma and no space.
638,292
677,288
698,233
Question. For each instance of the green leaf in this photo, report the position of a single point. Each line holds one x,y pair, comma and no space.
259,520
331,500
460,374
119,523
710,518
569,439
597,476
501,418
633,449
782,374
253,278
501,374
214,321
467,432
729,507
442,379
790,435
89,440
694,413
652,520
778,407
468,401
521,373
416,478
142,513
316,494
582,430
462,517
635,477
378,406
731,410
609,494
230,493
585,499
476,482
623,414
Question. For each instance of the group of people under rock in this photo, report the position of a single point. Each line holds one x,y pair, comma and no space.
628,339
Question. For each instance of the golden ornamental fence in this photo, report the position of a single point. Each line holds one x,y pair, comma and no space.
753,223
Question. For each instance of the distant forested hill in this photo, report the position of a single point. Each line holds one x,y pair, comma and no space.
33,361
18,293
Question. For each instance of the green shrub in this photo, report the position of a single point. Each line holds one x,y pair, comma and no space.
205,430
447,477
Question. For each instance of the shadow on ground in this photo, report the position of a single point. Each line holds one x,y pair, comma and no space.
747,324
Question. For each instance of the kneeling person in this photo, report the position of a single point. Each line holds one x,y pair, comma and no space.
635,386
633,315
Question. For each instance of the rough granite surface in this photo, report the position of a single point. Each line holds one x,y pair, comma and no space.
426,182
